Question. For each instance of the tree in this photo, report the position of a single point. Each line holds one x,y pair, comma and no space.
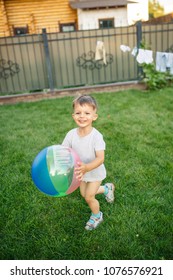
155,9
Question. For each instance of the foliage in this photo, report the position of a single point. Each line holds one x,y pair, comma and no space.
155,9
137,128
155,79
151,77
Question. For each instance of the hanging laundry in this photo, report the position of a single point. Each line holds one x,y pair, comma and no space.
100,52
125,48
134,51
144,56
164,62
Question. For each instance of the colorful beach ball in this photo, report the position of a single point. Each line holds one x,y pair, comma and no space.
53,171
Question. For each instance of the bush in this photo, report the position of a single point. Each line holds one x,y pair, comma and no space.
155,79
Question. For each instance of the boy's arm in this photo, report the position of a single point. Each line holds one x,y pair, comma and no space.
86,167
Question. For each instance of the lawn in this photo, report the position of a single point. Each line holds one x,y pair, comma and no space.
138,129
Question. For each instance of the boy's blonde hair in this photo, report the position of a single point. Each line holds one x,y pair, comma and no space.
85,99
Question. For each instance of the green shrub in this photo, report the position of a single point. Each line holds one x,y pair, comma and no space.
155,79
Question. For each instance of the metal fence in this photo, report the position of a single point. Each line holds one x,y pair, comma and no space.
50,61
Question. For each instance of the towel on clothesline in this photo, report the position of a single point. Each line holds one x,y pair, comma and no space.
100,52
144,56
164,62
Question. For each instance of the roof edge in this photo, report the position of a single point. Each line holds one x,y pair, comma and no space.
96,4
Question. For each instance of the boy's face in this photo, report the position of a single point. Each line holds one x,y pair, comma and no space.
84,115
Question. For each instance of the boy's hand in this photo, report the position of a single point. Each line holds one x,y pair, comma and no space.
80,170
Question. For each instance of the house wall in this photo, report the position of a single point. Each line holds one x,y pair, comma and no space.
48,14
137,11
36,14
89,19
4,28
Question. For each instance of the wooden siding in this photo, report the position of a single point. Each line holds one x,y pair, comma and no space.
35,14
4,27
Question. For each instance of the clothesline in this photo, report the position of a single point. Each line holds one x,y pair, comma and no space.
164,60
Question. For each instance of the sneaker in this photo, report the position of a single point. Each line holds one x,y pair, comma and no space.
110,195
94,222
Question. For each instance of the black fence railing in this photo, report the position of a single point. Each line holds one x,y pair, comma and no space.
50,61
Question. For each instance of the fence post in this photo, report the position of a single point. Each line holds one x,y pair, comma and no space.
139,40
48,62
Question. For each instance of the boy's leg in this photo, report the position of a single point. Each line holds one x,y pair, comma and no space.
96,216
101,189
108,190
83,186
90,192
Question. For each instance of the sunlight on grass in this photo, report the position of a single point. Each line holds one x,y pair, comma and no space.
137,127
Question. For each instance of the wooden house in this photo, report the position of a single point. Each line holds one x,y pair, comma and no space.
19,17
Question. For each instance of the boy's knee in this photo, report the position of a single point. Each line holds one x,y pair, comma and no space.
88,198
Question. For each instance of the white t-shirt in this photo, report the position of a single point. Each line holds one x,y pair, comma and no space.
86,147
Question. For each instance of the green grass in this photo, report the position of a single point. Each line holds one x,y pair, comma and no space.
138,128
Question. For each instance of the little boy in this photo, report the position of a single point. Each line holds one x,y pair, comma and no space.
88,143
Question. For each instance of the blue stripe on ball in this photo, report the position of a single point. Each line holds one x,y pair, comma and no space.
40,174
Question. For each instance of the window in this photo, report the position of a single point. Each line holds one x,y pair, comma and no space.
20,30
67,27
106,23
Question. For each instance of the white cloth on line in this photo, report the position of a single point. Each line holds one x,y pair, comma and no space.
125,48
134,51
144,56
164,62
100,52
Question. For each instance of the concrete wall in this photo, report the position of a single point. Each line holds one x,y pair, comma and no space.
90,19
